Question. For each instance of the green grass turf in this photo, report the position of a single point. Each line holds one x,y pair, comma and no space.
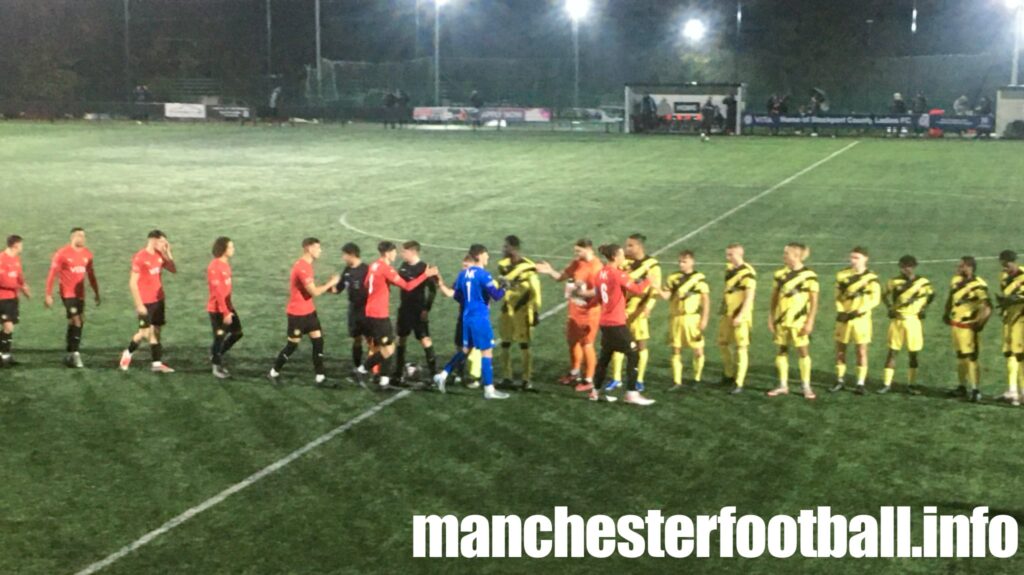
91,460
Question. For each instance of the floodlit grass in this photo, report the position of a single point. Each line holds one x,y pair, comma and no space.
91,460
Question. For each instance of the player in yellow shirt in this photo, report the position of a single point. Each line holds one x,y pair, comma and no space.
968,309
520,310
857,293
638,307
689,308
791,316
737,316
1011,303
907,296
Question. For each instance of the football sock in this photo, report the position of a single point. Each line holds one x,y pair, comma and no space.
387,367
156,351
285,353
782,365
677,368
456,362
357,352
805,370
961,371
617,366
742,359
5,343
888,375
591,356
475,365
373,360
230,342
641,364
487,371
972,373
728,365
1012,371
527,355
911,376
698,367
862,374
505,357
431,360
74,337
840,371
602,366
1020,369
632,369
318,355
399,358
217,349
132,346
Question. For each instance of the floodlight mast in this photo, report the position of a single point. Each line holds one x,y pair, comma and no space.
577,10
437,50
1018,28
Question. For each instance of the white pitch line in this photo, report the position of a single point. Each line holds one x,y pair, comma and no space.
245,483
725,215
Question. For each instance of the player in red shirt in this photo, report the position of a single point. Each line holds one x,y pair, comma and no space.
379,279
12,283
302,318
612,282
72,264
584,314
227,326
146,285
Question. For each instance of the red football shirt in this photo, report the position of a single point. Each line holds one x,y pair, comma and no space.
218,279
301,301
379,279
611,282
150,267
72,266
11,276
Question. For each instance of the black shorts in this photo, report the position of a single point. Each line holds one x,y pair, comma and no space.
9,310
300,325
380,331
73,306
357,325
219,327
617,338
413,322
155,315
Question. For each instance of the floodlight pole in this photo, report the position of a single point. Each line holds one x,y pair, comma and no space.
270,67
1018,24
319,64
437,52
127,46
576,54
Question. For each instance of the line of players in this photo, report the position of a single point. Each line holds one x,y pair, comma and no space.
614,299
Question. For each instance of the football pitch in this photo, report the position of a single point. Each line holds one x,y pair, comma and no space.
93,460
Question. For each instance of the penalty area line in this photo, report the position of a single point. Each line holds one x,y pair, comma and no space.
240,486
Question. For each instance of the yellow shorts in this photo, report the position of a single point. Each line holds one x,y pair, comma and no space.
906,332
965,340
684,332
733,335
790,336
516,328
640,328
856,331
1013,337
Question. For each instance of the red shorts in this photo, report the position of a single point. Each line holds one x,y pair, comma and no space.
583,329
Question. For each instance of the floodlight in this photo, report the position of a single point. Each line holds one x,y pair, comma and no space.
577,9
694,30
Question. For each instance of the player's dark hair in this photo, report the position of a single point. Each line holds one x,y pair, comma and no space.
13,240
584,243
220,246
908,261
1007,256
477,250
351,249
309,242
411,245
385,247
970,262
687,254
860,250
513,242
639,237
76,230
156,235
609,251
